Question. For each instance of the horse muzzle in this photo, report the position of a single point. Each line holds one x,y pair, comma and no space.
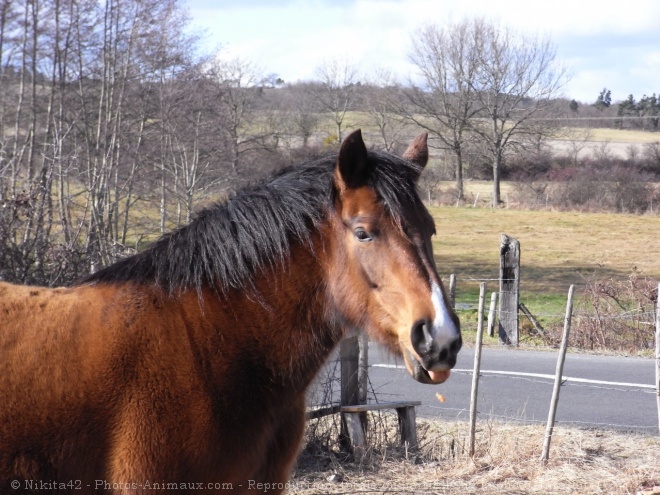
435,353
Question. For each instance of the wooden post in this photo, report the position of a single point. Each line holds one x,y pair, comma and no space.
356,431
408,427
491,315
356,436
476,369
452,290
509,288
558,376
349,351
657,355
363,376
532,319
363,368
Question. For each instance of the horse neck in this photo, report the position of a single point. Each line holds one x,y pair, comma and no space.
284,325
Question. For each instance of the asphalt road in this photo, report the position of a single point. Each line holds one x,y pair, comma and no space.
609,392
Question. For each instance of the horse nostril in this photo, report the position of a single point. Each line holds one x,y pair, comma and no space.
420,337
433,353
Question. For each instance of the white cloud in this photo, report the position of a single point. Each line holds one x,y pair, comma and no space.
605,43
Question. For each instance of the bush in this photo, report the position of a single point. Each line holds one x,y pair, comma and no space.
590,186
613,316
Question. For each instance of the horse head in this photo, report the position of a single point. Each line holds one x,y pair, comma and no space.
383,277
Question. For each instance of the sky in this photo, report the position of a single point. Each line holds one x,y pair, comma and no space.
609,44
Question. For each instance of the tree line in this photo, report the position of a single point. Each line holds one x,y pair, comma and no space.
114,128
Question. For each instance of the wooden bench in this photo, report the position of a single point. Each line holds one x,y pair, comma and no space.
407,425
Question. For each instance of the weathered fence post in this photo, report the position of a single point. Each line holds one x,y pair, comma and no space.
363,368
452,290
657,355
558,376
491,314
349,352
509,289
476,369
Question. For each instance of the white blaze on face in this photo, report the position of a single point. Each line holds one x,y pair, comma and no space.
444,330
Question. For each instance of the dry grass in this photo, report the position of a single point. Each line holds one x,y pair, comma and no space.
623,135
506,462
557,248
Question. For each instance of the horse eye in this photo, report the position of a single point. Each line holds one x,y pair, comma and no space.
362,235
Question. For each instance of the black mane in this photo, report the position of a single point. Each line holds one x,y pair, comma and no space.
226,244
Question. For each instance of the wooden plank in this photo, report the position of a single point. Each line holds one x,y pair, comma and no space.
379,406
321,412
509,290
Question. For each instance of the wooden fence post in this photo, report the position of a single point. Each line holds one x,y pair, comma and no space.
558,376
363,368
491,314
509,288
349,352
476,369
452,290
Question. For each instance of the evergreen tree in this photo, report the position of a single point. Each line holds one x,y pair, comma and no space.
649,106
604,99
627,108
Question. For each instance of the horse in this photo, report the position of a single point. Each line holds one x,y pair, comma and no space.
184,367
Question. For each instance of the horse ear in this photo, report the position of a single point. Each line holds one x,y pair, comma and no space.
418,151
353,167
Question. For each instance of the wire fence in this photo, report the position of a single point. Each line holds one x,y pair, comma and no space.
589,316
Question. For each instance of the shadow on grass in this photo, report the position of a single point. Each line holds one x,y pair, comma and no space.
548,279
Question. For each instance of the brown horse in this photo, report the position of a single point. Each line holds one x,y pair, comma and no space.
185,366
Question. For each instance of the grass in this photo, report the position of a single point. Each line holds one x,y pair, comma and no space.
357,119
623,135
506,461
557,248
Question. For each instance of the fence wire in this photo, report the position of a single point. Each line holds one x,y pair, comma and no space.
640,317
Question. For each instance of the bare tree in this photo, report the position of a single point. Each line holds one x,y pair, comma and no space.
444,100
379,95
301,111
651,153
195,158
517,79
335,91
578,138
238,88
78,112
